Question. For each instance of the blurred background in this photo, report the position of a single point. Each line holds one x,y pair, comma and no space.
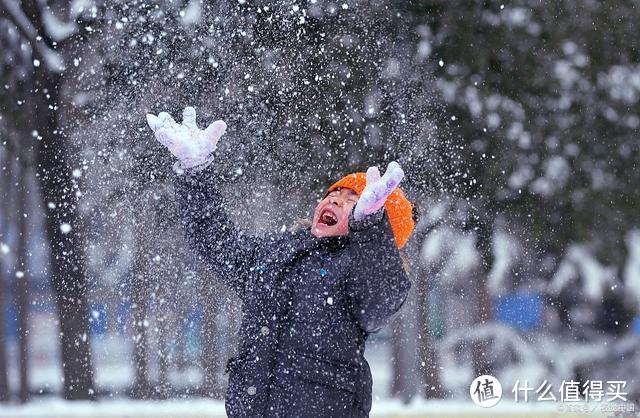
516,124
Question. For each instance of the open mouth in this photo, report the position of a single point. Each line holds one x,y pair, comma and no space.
327,217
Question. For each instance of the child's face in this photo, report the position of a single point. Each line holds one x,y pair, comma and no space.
331,217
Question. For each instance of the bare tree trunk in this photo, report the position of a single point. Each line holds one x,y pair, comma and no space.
58,194
67,251
163,387
428,364
427,357
480,349
398,374
403,349
480,354
21,288
141,387
4,382
166,275
6,213
213,356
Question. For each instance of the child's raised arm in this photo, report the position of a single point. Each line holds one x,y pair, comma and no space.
209,230
377,283
217,240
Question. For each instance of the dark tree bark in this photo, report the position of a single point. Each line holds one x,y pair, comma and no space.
57,188
21,287
67,251
428,363
163,387
4,382
6,211
480,349
427,357
399,374
212,357
167,274
141,388
213,353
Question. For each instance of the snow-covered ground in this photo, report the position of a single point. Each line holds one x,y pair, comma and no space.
55,408
114,364
113,360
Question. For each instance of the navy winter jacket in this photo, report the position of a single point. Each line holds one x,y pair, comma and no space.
308,306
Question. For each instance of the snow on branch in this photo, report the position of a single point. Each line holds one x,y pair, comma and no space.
56,28
632,267
79,6
578,264
507,252
454,251
20,19
191,14
500,335
52,59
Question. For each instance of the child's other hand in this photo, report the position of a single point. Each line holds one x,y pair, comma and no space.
192,146
377,189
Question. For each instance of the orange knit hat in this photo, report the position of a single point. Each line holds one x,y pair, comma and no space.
399,209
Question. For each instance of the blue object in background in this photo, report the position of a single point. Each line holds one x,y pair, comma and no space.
521,310
123,317
11,316
98,319
192,328
635,325
11,321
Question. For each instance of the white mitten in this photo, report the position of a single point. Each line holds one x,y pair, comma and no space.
377,190
189,144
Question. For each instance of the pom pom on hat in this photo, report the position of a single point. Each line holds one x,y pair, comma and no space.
399,208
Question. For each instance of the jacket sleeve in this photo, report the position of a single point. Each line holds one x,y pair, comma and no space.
228,253
377,284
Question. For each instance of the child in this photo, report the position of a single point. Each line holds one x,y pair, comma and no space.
311,297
